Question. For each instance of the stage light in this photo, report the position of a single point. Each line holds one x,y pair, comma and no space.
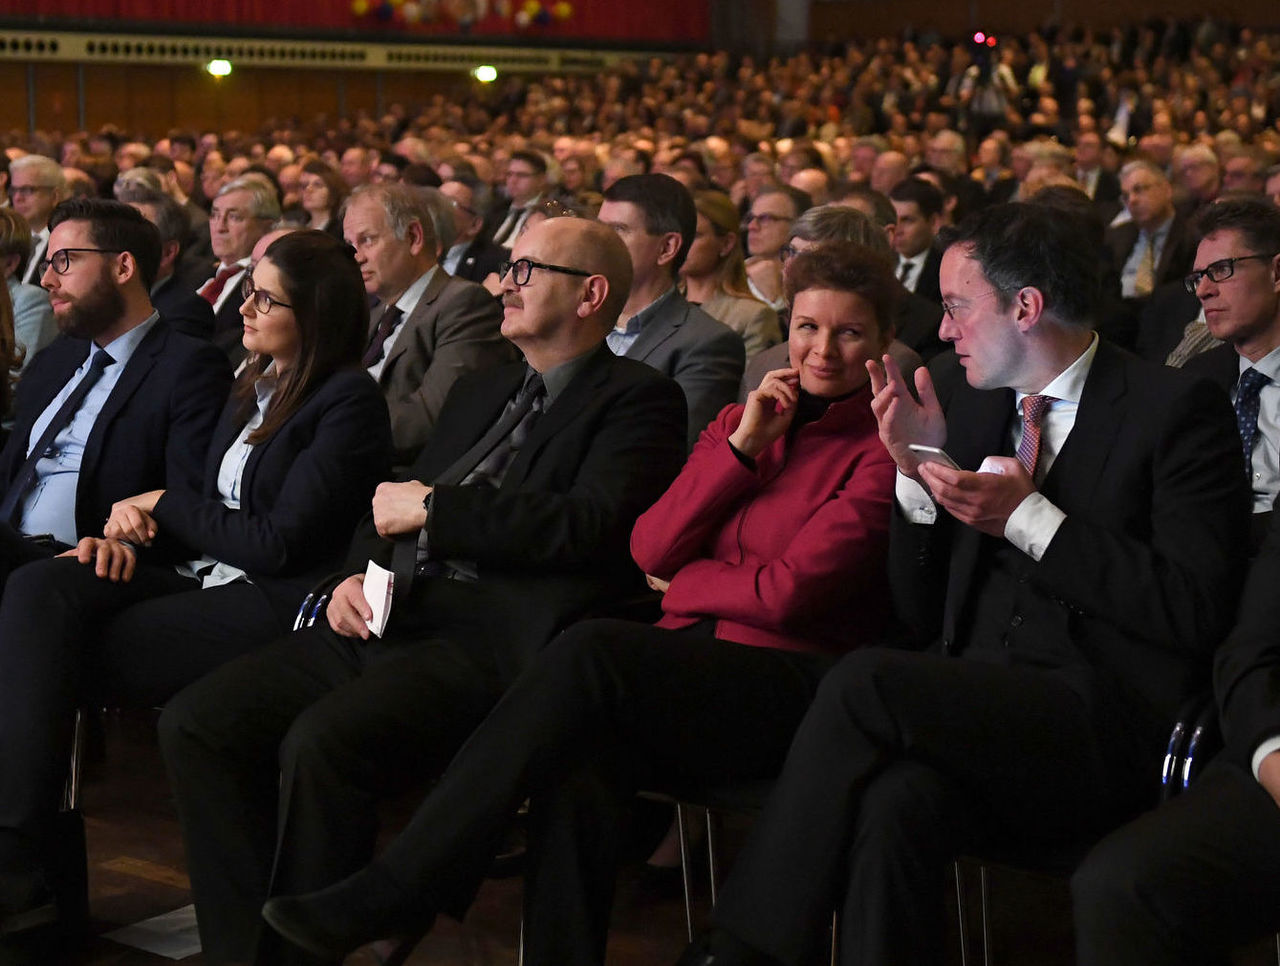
485,74
979,37
218,68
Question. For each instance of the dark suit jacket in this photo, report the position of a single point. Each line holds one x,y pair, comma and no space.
454,329
1246,675
704,356
303,489
1164,320
479,259
228,326
553,539
153,431
927,286
184,310
1140,581
1176,258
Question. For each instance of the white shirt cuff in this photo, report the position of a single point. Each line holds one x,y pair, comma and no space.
1264,749
914,500
1033,524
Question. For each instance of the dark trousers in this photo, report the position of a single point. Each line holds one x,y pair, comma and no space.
16,550
903,761
278,761
1185,883
68,637
608,706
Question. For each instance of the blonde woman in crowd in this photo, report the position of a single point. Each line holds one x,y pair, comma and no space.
714,275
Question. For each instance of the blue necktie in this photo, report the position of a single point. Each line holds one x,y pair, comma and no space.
27,474
1247,392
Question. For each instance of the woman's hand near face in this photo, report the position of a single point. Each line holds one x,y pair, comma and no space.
768,413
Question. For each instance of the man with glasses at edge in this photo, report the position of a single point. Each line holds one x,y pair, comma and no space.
1236,278
1186,883
118,405
36,185
513,521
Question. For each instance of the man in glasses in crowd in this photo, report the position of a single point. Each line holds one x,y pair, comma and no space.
118,405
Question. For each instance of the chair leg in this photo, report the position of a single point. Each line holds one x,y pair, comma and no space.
986,919
962,915
711,856
71,792
685,873
520,945
1278,949
835,937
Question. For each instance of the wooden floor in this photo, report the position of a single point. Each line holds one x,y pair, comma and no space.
136,871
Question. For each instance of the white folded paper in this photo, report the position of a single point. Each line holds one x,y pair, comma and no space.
379,585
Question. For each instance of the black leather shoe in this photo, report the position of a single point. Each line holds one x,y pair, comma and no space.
359,910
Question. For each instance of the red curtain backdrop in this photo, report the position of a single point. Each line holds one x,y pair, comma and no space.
684,22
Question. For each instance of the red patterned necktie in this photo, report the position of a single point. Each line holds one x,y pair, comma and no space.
1033,410
213,288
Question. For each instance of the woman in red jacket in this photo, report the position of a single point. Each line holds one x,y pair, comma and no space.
770,550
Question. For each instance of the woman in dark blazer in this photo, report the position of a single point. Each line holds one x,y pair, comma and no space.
182,581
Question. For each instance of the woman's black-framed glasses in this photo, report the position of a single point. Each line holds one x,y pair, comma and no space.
262,301
522,268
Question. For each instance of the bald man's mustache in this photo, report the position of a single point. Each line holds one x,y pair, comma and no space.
511,300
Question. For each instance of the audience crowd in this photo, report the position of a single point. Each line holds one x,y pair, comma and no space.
912,379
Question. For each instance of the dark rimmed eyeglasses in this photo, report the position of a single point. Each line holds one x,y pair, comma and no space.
522,268
1218,271
60,261
262,301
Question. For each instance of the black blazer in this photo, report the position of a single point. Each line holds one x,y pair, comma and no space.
1246,674
154,430
1140,582
302,492
553,540
184,310
1176,258
479,259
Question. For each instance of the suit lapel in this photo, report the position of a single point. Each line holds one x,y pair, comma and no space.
1077,470
575,398
659,329
978,426
438,281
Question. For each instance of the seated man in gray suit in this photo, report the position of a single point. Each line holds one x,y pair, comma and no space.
654,216
429,328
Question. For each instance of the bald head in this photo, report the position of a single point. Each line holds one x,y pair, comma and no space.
265,242
595,248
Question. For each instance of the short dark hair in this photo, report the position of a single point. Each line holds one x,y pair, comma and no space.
924,194
666,205
801,201
846,266
1025,244
1256,220
116,226
532,158
322,283
171,218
